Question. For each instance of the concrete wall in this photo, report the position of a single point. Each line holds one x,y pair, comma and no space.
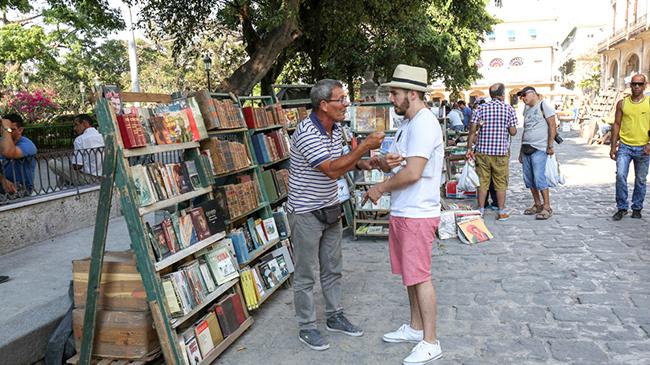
37,220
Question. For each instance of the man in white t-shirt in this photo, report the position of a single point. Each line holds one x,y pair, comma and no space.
456,118
85,167
415,208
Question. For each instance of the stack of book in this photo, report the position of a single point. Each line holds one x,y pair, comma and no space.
157,181
177,122
226,155
258,117
237,199
181,230
271,146
190,285
295,116
220,321
266,275
219,114
278,115
276,183
256,233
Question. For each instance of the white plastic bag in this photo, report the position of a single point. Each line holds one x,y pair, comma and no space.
469,180
552,172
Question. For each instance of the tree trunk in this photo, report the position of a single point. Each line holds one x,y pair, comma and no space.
242,81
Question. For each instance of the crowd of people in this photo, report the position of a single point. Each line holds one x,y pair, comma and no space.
415,160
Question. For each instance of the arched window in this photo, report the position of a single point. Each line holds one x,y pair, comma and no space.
517,61
496,62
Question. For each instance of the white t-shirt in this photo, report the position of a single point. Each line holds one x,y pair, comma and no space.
456,117
422,137
87,153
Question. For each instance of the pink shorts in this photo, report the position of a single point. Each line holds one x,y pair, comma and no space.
410,241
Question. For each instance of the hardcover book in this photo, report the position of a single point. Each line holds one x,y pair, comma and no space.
203,336
221,265
200,223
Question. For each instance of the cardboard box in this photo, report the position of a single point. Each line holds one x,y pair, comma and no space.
118,334
121,286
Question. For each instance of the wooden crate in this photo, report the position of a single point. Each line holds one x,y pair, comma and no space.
152,359
119,334
121,286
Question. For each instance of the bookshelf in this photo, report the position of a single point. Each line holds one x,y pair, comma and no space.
120,174
256,170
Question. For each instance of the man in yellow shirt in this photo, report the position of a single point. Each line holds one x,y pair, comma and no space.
630,144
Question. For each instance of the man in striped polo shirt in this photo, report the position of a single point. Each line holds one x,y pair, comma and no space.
317,161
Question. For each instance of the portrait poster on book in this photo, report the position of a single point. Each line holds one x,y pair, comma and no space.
475,230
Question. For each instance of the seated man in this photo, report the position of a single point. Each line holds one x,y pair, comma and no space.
16,157
86,165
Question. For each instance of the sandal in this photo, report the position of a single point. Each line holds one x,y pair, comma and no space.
533,210
544,214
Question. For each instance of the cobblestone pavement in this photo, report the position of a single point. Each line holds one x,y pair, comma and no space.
571,290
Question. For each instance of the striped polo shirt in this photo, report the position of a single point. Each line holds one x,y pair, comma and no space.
309,188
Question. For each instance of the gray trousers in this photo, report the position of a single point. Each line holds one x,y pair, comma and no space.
315,245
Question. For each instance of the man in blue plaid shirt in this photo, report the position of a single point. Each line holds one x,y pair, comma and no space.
495,121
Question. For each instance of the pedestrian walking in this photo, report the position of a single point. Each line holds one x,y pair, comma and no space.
630,144
317,162
536,145
415,209
491,128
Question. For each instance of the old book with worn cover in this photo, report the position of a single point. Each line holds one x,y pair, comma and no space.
213,325
200,223
203,336
221,265
215,215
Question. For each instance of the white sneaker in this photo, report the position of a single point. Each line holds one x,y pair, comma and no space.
423,353
404,334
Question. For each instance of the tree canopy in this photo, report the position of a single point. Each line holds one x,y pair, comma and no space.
312,39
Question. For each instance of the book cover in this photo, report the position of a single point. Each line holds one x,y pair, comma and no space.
250,223
193,351
160,133
112,94
208,109
203,336
283,256
159,240
215,215
197,123
269,277
238,308
284,270
221,265
282,224
172,298
210,285
238,239
365,119
184,291
226,316
181,179
170,235
193,174
200,223
474,230
261,290
187,231
259,230
213,325
143,187
271,230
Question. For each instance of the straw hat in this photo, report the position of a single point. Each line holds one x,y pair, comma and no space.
410,78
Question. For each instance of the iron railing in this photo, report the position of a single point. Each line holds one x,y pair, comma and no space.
54,172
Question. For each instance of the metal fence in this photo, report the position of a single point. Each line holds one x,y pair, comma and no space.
54,172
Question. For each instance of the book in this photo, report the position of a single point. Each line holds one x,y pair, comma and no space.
259,230
203,336
238,308
474,229
258,282
284,270
184,292
187,231
192,174
143,187
226,315
171,297
170,235
193,351
113,95
271,230
158,241
269,277
213,325
215,215
221,264
200,223
210,286
283,256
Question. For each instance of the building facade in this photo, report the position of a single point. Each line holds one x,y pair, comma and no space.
626,49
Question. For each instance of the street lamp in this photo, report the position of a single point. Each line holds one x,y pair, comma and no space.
207,62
